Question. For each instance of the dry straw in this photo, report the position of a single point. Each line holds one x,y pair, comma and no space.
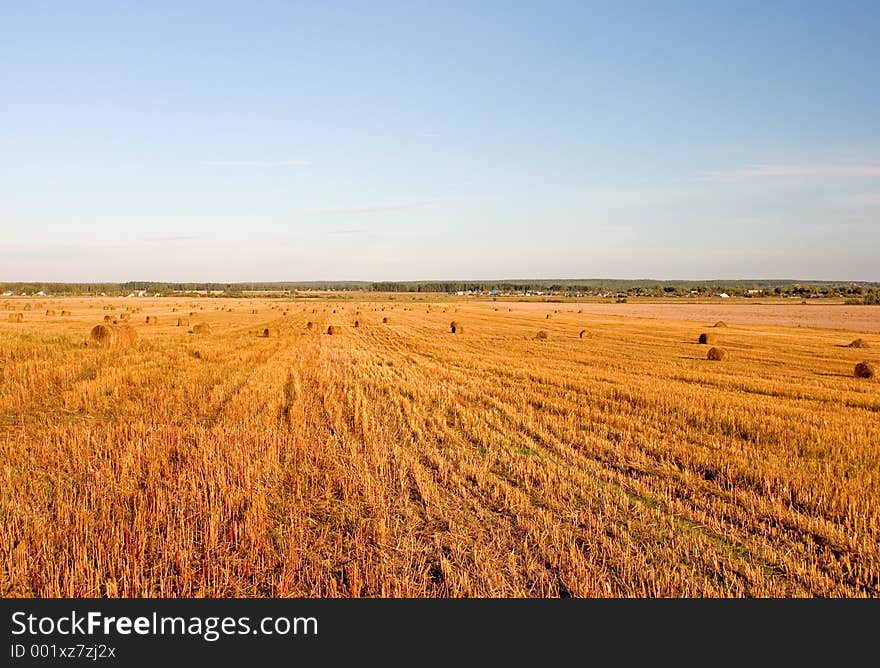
541,334
114,336
864,370
859,343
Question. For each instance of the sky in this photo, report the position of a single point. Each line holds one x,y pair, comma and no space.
270,141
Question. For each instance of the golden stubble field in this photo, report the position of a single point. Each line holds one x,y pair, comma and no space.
399,459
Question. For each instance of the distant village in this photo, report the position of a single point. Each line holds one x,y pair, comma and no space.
856,293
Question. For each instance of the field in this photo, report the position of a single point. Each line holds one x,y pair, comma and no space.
399,459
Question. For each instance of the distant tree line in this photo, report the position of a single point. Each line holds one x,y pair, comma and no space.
854,292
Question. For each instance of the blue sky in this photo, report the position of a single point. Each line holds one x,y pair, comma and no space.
388,141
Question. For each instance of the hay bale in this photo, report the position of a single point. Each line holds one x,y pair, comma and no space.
541,334
108,318
152,320
28,307
201,328
455,327
65,313
720,323
125,316
716,354
864,370
706,339
859,343
309,324
114,336
183,322
331,330
548,316
192,313
269,332
16,317
50,312
357,323
384,321
584,334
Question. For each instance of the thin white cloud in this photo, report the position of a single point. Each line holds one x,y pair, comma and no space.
257,163
372,208
866,169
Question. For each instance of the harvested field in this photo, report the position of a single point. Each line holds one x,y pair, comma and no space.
402,461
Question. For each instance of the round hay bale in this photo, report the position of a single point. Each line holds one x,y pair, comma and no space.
108,318
152,320
65,313
548,316
183,322
706,339
269,332
859,343
384,321
455,327
309,324
864,370
357,324
174,310
541,334
125,316
192,313
201,328
584,334
16,317
720,323
114,336
50,312
331,330
716,354
28,307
